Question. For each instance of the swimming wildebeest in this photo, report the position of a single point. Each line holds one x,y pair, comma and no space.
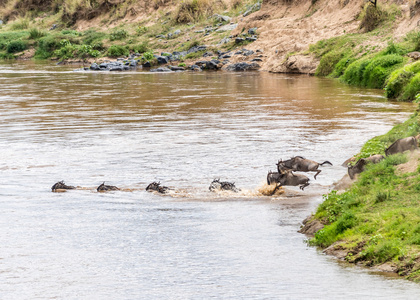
61,186
401,145
104,188
218,185
155,186
299,163
288,178
359,167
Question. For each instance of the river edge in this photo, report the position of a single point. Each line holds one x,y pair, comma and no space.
350,252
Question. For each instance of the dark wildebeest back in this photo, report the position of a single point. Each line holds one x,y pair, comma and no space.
223,186
299,163
104,188
62,186
402,145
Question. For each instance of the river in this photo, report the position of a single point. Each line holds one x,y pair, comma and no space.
184,130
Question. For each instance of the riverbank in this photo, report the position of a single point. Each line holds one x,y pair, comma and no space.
375,221
326,38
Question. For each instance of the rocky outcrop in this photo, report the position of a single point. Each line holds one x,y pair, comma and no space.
311,226
243,66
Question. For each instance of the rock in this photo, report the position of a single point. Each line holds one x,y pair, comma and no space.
228,27
224,41
161,69
160,36
207,54
200,31
94,67
259,51
147,64
1,22
251,39
301,64
226,56
175,68
116,68
252,31
177,32
221,18
256,59
253,8
243,66
196,49
162,60
247,52
239,40
310,227
195,68
54,26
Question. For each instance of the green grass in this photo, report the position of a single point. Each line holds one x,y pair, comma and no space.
380,211
388,69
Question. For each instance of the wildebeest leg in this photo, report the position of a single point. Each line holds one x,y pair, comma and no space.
317,172
278,185
302,187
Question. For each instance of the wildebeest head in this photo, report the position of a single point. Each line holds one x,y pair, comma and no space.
61,186
218,185
155,186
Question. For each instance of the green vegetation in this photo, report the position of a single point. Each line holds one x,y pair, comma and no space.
389,69
377,219
117,50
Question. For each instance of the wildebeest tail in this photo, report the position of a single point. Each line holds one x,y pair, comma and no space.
326,162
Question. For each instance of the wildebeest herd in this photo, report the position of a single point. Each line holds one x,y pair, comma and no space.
285,175
399,146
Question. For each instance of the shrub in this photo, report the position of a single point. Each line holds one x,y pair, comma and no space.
117,50
148,56
399,79
383,251
20,24
16,46
354,72
328,62
141,30
192,10
412,88
141,48
379,68
118,35
92,37
46,47
372,72
371,17
35,33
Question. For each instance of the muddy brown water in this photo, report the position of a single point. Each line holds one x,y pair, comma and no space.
183,129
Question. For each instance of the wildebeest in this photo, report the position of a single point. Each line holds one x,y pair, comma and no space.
359,167
104,188
218,185
288,178
299,163
61,186
401,145
155,186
